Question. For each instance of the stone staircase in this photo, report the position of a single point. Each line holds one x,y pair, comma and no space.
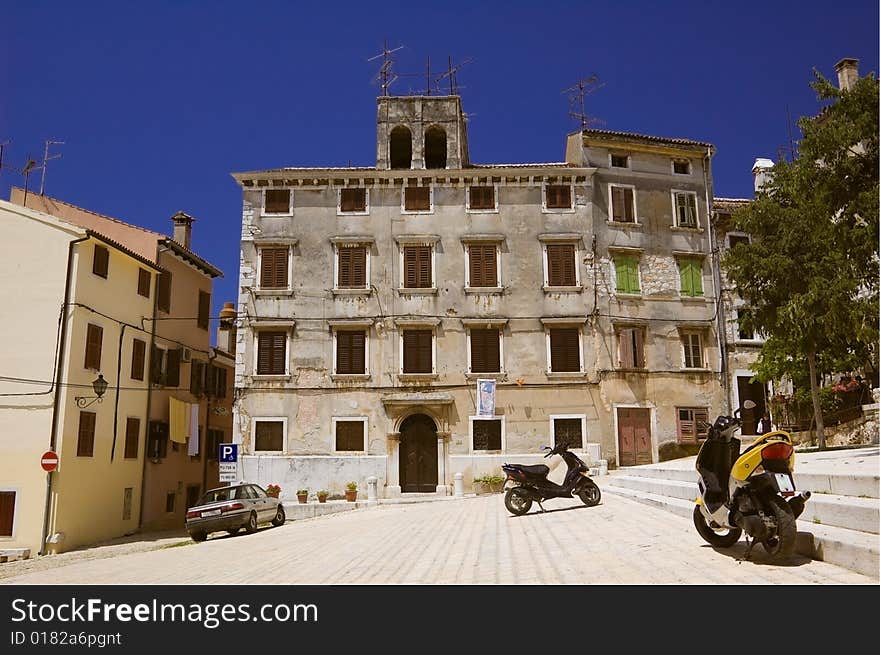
840,523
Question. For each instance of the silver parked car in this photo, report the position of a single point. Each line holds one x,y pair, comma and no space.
232,508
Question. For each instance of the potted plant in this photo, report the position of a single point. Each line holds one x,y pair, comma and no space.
302,495
273,490
489,483
322,495
351,491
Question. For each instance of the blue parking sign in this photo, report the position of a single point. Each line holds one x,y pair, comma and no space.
229,452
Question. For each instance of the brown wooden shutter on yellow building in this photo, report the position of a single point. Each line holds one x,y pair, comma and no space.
85,443
138,357
132,435
144,279
101,261
204,309
94,337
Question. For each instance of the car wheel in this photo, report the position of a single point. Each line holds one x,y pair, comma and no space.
279,517
198,536
251,525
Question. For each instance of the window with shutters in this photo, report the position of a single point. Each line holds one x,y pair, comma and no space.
568,430
621,203
486,434
351,352
561,264
558,196
163,292
418,199
132,437
631,347
692,424
85,442
681,167
684,206
349,434
277,202
212,448
157,440
165,367
138,358
271,352
485,350
418,264
274,267
7,513
94,337
204,310
693,349
351,266
481,198
269,435
353,201
101,261
626,273
170,499
197,377
418,351
144,279
482,265
565,349
690,271
217,381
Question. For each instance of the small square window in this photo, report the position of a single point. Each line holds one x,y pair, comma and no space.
352,200
487,434
619,161
568,431
481,197
557,196
417,198
681,167
692,424
269,436
276,201
350,435
735,239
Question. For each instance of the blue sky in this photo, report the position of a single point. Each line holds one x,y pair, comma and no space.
158,102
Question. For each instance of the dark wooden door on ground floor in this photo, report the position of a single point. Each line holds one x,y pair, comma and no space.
418,455
634,435
747,390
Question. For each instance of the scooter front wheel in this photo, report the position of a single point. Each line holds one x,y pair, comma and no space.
720,538
590,494
517,501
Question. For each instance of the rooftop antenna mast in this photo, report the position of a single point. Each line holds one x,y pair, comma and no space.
2,145
46,160
26,171
385,76
576,95
451,74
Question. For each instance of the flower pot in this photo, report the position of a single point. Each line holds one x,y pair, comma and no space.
322,499
302,498
351,496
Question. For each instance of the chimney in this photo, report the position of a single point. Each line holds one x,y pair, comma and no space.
226,332
847,73
183,229
761,172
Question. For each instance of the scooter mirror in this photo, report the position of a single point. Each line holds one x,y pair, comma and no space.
749,404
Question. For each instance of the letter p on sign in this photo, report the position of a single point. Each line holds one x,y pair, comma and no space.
229,452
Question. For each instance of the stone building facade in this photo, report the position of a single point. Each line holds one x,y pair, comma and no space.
372,300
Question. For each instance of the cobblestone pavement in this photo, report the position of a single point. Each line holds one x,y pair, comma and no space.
471,540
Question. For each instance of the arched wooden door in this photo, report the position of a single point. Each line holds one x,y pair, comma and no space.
418,455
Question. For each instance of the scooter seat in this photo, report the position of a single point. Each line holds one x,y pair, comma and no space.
538,470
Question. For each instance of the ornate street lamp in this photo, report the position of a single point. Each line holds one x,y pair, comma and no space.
100,386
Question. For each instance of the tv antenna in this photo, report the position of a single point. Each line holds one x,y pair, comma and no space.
451,73
26,171
386,77
46,160
2,145
576,95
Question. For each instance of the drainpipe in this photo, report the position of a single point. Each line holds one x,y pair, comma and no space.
116,404
53,439
716,285
211,357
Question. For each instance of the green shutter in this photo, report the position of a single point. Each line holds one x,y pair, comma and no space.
627,268
691,277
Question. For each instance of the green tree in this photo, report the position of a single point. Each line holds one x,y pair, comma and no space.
810,273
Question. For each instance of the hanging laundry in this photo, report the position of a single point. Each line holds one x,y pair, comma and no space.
177,416
193,448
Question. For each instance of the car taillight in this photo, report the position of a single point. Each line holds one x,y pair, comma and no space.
777,451
231,507
193,515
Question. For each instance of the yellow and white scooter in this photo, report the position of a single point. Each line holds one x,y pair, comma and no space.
751,492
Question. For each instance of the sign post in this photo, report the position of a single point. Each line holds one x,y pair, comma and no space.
228,462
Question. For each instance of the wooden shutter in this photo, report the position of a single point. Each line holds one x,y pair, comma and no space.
157,374
487,434
350,352
691,272
7,513
172,368
269,435
132,436
622,204
353,200
350,435
94,336
273,268
204,309
485,351
560,265
418,351
196,378
277,201
558,196
271,353
417,267
417,198
221,382
100,261
482,259
692,424
564,350
627,270
632,348
85,443
138,356
352,267
687,209
482,197
144,279
164,292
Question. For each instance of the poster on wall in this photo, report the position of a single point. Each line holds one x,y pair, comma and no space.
485,397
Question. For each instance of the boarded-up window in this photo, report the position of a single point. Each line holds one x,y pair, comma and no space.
691,274
94,337
622,210
85,443
164,292
693,350
692,424
417,267
561,265
269,435
631,342
485,350
686,209
273,268
483,265
557,196
482,197
352,266
277,201
565,349
204,310
7,513
350,435
417,198
626,269
351,352
568,431
353,200
271,353
101,261
144,279
418,351
487,434
132,436
138,358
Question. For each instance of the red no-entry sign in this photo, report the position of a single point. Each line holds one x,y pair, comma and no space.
49,460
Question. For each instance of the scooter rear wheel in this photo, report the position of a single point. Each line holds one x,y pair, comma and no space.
517,501
782,544
720,538
590,494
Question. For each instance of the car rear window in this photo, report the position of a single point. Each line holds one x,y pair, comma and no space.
222,495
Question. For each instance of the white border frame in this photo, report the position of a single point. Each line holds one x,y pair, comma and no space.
257,285
675,218
467,265
546,262
339,211
500,329
501,418
467,199
557,210
411,212
401,245
583,419
366,433
367,268
688,332
263,211
580,330
679,160
400,332
628,166
287,344
632,187
359,328
273,419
